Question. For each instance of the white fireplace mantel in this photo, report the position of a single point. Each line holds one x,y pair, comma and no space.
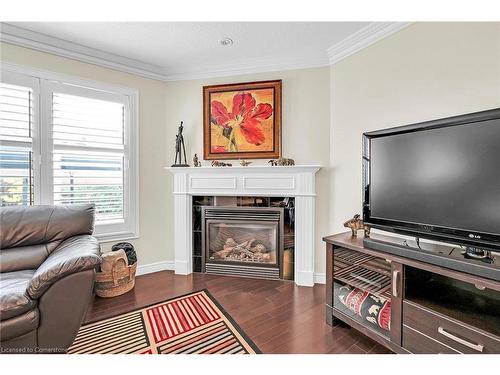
293,181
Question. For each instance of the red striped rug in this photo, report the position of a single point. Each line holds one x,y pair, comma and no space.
191,324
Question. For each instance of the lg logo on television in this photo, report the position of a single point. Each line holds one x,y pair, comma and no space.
474,236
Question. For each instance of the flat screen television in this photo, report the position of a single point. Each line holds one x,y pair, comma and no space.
438,179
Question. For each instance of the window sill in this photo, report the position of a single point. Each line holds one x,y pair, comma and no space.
111,237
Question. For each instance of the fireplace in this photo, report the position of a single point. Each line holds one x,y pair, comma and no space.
243,241
292,188
250,236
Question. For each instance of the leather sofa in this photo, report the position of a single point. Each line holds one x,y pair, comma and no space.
48,259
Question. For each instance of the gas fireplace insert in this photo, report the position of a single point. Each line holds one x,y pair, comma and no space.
243,241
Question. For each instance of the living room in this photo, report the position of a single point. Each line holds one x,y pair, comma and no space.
250,187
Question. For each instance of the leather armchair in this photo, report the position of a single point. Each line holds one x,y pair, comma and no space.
48,259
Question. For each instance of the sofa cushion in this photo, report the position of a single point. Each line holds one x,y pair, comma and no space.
19,325
34,225
24,257
76,254
14,300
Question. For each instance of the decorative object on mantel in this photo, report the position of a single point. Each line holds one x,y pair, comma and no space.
196,161
356,224
242,120
245,163
216,163
179,143
282,162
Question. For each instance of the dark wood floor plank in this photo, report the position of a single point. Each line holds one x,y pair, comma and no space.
355,349
278,316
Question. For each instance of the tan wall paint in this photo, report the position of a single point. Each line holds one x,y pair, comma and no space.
306,126
426,71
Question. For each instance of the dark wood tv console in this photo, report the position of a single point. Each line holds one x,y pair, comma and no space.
410,306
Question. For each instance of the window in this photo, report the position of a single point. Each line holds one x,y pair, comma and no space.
80,147
88,144
17,113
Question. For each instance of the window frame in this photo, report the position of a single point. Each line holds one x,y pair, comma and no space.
43,84
13,78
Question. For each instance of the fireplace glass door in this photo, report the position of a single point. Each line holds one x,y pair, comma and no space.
242,242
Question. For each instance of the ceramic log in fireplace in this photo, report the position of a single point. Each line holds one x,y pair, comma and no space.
243,241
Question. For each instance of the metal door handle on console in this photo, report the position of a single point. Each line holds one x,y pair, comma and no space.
395,275
477,347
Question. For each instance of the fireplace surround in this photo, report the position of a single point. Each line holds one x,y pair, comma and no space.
296,182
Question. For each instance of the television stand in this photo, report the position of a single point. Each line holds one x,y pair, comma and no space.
478,262
411,304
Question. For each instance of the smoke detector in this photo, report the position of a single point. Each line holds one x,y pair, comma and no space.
226,42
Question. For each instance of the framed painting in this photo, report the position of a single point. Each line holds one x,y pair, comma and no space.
242,121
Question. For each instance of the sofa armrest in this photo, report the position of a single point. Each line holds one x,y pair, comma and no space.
75,254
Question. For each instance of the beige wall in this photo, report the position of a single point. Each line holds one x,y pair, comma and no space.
306,126
424,72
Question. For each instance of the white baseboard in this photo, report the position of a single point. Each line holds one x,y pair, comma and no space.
169,265
144,269
320,278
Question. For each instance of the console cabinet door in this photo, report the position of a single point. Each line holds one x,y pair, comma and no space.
455,314
397,291
362,291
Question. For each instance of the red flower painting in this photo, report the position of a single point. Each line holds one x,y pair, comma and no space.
245,116
242,121
216,149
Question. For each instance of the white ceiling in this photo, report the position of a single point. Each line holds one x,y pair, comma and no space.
181,50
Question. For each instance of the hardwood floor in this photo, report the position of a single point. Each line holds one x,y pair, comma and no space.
278,316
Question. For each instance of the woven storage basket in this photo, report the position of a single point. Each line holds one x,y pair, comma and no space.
120,280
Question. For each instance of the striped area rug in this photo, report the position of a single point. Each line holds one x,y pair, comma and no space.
191,324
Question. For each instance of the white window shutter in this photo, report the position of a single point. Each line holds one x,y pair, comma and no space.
88,154
64,140
16,145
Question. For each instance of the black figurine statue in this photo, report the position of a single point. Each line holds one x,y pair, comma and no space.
196,161
179,142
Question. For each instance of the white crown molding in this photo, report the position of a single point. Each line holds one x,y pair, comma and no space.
363,38
45,43
248,67
41,42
